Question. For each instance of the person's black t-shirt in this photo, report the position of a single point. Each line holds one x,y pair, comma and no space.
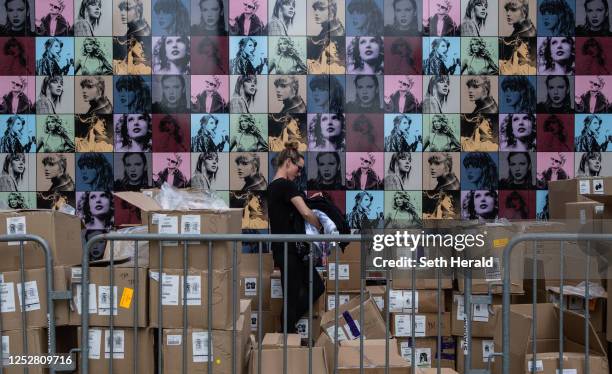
281,211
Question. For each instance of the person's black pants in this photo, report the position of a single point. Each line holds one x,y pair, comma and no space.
297,285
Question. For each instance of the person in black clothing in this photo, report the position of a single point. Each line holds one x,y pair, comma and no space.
287,212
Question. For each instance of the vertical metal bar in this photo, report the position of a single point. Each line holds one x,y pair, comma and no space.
413,315
235,307
259,312
534,302
1,329
561,307
362,285
388,284
85,311
439,317
337,305
24,316
136,306
587,364
160,311
210,305
285,279
310,301
185,314
112,306
467,312
506,311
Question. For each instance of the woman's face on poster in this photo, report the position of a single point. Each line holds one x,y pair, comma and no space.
52,169
249,48
404,164
521,126
560,49
369,48
366,201
484,202
211,164
366,89
94,10
210,12
331,126
442,48
557,90
321,13
404,13
126,97
437,169
473,174
137,126
283,46
595,13
245,169
250,86
319,96
550,20
518,166
447,203
328,167
88,46
172,89
283,91
480,10
129,12
359,20
90,92
88,175
594,164
56,48
18,126
443,87
176,49
134,168
99,203
16,13
56,87
165,20
211,125
512,97
514,14
288,9
18,165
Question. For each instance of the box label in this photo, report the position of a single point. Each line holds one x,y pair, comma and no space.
598,188
331,330
254,321
93,299
584,187
501,242
494,273
488,348
32,302
126,298
480,312
191,224
200,346
168,225
16,226
539,365
567,371
118,344
250,286
276,288
76,274
7,296
104,300
403,325
6,349
331,301
194,290
302,328
422,355
380,302
174,339
170,289
95,338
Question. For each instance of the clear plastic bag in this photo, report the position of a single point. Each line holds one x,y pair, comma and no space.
124,250
172,198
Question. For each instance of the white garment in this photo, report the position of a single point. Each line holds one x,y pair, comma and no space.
329,227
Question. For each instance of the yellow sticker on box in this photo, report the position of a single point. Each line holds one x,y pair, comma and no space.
500,242
126,298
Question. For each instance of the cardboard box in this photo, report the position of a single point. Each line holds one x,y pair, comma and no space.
425,301
200,221
483,319
35,300
574,300
249,278
61,231
584,217
378,293
547,336
349,355
270,323
197,347
348,321
568,191
297,360
426,324
197,299
277,340
276,292
347,268
426,278
13,345
426,352
481,351
122,348
125,297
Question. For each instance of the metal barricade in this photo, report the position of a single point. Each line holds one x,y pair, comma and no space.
506,332
210,239
61,365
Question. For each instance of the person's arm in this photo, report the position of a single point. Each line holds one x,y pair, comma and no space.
305,211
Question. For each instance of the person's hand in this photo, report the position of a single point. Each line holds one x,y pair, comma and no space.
318,194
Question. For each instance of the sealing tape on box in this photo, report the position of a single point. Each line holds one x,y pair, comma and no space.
351,323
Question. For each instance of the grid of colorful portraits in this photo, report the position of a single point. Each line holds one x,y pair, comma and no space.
404,109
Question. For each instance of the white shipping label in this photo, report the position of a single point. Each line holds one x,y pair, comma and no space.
254,321
118,344
598,188
32,302
538,364
488,348
174,339
396,301
95,340
408,301
200,346
422,355
104,300
76,274
567,371
302,328
250,286
480,312
168,225
380,302
7,297
194,290
16,226
494,273
156,217
93,299
331,330
403,325
170,289
191,224
331,300
276,289
6,349
344,272
584,186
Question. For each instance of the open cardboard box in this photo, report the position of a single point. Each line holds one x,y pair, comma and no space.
547,341
200,221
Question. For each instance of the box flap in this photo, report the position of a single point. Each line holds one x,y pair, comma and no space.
139,200
595,292
605,199
275,340
353,303
373,354
573,326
